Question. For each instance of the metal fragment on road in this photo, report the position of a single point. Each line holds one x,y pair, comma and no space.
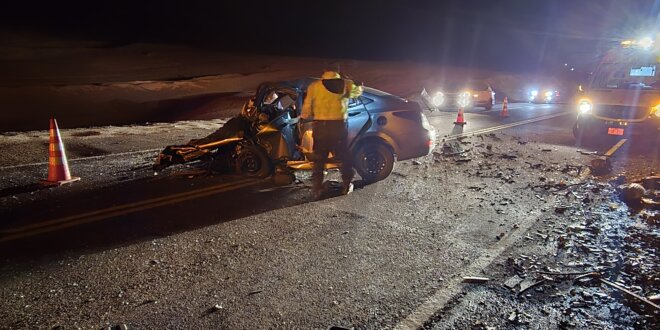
513,282
475,279
632,294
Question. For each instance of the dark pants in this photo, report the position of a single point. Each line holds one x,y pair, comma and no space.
331,136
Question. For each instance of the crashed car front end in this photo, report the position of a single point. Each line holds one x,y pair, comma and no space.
234,131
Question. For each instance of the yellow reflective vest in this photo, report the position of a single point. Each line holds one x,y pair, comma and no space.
327,99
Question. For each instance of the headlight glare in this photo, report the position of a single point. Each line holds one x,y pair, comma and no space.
463,99
656,111
548,94
438,99
534,93
585,106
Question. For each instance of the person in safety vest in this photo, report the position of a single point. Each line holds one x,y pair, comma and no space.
326,103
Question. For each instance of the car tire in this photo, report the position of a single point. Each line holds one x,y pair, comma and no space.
374,161
582,137
489,105
222,160
253,162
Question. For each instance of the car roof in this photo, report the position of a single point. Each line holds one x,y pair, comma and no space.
301,84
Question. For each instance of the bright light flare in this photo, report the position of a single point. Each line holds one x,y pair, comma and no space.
585,106
464,99
645,42
438,99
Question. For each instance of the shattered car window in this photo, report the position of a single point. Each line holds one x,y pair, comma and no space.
272,96
286,102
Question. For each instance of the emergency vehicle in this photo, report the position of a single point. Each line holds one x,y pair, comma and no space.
623,96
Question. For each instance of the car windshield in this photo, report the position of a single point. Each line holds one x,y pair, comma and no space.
627,76
477,86
453,87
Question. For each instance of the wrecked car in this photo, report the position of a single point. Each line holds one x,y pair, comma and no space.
267,135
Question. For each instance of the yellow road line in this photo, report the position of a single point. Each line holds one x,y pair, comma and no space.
81,221
509,125
126,153
615,147
130,208
118,207
609,153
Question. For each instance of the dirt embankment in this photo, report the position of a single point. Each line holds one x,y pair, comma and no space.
84,84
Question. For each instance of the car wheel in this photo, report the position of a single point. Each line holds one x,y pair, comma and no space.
374,161
582,137
489,105
253,162
222,160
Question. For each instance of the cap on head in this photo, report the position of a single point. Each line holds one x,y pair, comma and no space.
330,75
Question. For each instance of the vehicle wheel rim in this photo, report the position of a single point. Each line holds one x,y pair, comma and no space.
374,162
250,163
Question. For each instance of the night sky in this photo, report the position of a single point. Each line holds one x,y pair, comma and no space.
513,35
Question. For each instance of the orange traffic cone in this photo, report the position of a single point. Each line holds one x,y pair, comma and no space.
58,168
505,108
459,119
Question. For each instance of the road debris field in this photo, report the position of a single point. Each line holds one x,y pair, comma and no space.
590,263
161,162
505,229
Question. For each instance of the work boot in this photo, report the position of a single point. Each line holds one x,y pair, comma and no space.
346,188
317,191
317,194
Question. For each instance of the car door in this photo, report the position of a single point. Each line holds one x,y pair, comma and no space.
357,118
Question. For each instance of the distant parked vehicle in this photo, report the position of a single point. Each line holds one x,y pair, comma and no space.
466,96
548,95
623,97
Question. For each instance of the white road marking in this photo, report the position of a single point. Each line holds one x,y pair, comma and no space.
454,285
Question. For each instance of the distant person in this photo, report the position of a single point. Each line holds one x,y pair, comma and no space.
326,103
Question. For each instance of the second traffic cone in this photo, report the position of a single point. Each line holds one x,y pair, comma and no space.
505,108
58,167
459,118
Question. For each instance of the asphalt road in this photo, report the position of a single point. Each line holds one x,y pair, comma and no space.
161,250
478,118
136,208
